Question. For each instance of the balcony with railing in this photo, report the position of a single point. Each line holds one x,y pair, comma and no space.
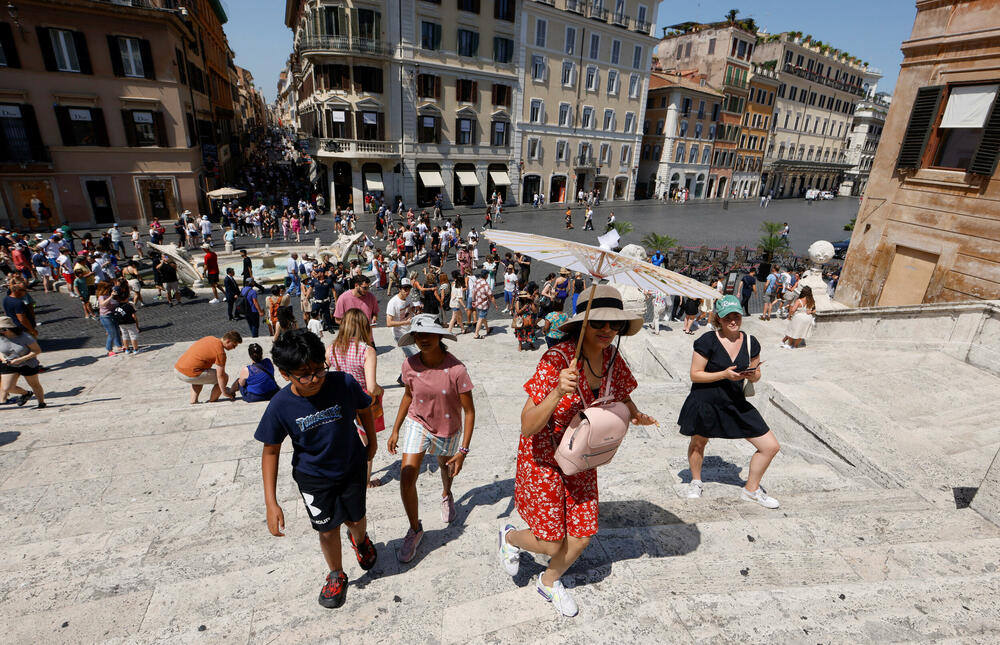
585,160
343,44
577,6
620,20
597,12
802,72
340,147
643,26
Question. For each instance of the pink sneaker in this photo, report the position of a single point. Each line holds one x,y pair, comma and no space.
410,543
448,509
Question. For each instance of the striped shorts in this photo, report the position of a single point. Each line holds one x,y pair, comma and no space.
415,439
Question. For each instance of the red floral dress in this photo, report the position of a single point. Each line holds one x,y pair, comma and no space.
554,504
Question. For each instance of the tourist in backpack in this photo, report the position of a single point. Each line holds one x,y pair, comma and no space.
561,510
248,306
724,360
255,382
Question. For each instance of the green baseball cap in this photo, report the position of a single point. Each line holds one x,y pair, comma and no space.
727,305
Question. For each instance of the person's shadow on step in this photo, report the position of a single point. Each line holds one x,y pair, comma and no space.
716,469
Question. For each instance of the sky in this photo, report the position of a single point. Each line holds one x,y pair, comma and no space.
872,30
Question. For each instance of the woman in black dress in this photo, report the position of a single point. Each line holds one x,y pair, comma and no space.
724,360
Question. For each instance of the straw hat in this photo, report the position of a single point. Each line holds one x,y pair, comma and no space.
564,271
607,305
524,294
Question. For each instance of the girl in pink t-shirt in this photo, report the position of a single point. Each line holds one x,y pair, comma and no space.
430,421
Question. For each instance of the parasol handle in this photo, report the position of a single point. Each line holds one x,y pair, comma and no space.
586,320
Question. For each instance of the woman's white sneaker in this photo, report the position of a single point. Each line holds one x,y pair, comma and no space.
559,596
695,489
510,555
760,497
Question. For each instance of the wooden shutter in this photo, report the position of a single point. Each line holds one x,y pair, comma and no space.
129,124
355,27
161,130
437,36
31,125
918,129
82,53
9,46
381,126
377,28
148,67
45,44
358,116
116,56
493,94
475,92
100,127
475,43
437,129
65,126
437,87
984,162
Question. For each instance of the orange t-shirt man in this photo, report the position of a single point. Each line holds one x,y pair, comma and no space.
201,355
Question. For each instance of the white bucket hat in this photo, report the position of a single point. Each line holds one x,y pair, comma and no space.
424,324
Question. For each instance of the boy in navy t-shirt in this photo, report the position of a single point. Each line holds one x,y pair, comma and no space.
329,463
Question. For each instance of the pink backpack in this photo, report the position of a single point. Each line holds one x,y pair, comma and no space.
593,436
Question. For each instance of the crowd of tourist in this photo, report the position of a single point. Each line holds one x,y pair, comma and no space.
331,407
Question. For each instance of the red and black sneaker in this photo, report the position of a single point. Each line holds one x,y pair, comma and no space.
366,553
334,591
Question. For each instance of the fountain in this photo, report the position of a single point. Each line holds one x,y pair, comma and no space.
186,271
266,257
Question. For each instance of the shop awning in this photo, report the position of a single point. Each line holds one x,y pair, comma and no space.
431,179
968,106
500,178
374,181
467,178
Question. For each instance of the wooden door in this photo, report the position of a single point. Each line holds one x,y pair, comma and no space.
908,278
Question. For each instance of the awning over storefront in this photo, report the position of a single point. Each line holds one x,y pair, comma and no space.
467,178
374,181
431,179
500,178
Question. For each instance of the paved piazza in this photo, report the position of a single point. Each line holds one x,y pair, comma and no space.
129,516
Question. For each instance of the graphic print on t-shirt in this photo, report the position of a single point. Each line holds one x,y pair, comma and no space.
313,421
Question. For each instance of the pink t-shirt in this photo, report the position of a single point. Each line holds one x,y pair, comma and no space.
436,403
347,301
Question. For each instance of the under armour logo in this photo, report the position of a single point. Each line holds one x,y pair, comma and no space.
308,499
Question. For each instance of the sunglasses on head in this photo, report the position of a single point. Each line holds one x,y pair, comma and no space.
616,325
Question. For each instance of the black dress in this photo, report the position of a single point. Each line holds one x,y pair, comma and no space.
719,410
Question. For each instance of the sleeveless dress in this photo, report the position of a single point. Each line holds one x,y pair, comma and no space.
719,410
260,384
352,361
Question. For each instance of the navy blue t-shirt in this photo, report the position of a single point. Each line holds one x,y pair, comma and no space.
324,437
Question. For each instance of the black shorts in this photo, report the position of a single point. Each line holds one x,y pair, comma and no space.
213,278
331,502
23,370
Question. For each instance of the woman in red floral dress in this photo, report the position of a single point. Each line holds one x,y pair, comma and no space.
561,510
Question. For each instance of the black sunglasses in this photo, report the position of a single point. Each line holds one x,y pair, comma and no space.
616,325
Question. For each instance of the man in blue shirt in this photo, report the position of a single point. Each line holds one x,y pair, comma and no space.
330,465
657,259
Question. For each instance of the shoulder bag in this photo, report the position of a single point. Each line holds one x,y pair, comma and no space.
593,436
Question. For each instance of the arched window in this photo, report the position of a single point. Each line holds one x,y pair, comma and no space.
706,155
697,130
699,187
657,150
684,129
694,154
645,151
711,132
781,151
679,157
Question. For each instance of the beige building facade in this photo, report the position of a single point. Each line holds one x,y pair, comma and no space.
412,100
102,105
682,114
584,77
816,98
929,226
